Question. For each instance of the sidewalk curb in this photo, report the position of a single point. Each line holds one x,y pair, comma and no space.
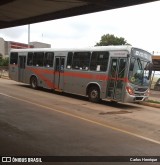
150,104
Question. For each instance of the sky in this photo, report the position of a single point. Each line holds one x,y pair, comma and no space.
139,25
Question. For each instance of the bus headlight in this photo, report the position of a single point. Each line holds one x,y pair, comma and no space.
130,90
147,93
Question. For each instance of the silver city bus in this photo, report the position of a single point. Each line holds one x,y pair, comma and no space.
116,73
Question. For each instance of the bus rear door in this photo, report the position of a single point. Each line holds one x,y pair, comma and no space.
59,73
117,71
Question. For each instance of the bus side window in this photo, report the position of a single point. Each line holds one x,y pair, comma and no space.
69,60
99,61
48,59
14,58
81,60
38,58
30,59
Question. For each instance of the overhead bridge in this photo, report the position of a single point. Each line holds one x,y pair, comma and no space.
22,12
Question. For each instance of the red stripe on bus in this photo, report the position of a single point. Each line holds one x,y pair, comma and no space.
40,72
80,75
86,75
69,74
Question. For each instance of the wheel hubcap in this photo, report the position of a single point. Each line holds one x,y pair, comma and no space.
94,94
33,83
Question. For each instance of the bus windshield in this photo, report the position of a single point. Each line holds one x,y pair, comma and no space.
139,72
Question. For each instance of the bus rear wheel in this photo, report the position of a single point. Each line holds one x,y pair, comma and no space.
94,94
33,82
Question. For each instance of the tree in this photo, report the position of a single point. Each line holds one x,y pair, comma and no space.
110,39
4,62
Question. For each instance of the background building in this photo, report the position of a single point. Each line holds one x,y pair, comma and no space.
2,47
6,46
40,45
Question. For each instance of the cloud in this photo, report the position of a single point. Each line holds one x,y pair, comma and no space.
14,33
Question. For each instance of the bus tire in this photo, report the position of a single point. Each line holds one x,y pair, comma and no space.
34,82
94,94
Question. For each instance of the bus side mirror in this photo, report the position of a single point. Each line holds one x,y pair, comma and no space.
150,66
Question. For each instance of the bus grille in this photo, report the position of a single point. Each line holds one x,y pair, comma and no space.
139,99
141,89
139,94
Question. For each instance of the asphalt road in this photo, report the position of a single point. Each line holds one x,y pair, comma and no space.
43,123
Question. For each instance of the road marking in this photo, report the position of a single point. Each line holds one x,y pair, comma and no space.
82,118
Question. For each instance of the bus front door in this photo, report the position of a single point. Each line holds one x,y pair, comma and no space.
59,73
21,68
117,72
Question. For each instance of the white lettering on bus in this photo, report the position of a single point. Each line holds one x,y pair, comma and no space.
142,54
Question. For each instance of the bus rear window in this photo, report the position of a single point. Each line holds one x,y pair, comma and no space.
14,58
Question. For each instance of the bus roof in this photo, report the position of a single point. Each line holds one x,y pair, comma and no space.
96,48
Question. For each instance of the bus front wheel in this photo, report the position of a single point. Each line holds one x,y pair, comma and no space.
33,82
94,94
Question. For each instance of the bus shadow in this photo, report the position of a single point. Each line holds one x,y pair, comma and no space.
124,106
39,88
127,106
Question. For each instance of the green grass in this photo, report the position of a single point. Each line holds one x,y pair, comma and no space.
153,101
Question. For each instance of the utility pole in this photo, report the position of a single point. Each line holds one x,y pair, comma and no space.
28,35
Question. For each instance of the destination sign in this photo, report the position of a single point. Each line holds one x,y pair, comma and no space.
142,54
